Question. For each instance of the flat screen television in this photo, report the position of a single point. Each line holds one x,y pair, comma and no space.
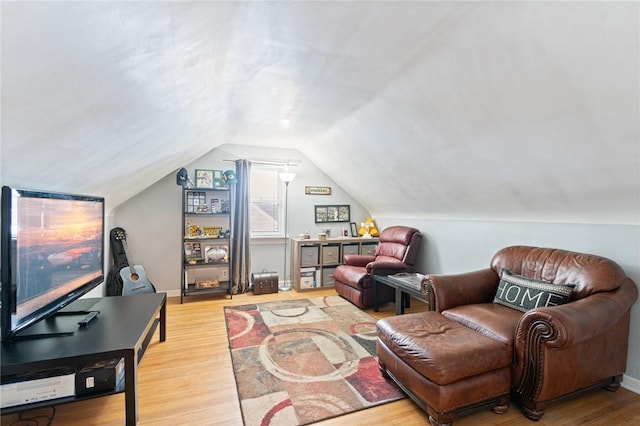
52,252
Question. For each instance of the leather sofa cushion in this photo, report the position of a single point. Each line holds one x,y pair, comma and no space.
353,276
489,319
589,273
442,350
397,234
393,251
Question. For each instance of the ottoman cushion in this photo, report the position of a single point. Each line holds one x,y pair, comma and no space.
440,349
489,319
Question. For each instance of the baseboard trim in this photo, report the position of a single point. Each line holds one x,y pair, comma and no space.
631,384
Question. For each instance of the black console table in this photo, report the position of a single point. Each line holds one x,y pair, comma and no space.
122,330
406,285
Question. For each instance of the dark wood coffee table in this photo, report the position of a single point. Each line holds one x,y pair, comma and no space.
406,285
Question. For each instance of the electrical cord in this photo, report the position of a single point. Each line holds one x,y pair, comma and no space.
34,420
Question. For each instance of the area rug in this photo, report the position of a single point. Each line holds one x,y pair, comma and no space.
301,361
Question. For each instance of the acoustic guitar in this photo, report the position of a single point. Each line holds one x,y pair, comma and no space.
134,277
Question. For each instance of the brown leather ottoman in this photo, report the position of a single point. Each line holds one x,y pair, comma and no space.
449,370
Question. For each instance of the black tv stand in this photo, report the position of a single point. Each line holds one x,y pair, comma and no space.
89,316
126,326
21,337
86,321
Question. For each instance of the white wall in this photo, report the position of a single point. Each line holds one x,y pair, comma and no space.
152,219
152,222
452,246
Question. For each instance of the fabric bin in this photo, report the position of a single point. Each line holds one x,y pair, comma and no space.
350,249
327,277
369,249
309,255
330,254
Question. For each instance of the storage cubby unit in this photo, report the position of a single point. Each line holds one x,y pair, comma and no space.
206,242
313,262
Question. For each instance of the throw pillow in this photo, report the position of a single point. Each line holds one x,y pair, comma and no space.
523,294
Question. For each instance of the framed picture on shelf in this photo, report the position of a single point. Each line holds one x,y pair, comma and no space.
215,206
195,199
204,178
192,252
332,213
190,203
218,180
354,229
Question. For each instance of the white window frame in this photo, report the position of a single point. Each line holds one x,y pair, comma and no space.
261,174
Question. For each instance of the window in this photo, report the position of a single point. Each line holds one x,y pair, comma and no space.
265,211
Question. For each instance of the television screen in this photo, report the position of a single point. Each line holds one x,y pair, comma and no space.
52,253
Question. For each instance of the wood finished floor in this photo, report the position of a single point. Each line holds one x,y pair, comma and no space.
188,380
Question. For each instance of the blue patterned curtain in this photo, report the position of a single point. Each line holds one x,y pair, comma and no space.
241,238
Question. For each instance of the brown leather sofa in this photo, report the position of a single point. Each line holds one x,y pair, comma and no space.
397,251
554,351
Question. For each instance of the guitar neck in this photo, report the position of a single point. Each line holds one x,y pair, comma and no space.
121,236
128,256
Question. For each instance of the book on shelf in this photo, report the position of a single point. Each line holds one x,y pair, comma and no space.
308,277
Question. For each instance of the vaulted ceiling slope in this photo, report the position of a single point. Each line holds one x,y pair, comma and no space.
501,110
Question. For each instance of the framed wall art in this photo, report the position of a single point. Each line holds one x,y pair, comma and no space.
195,199
317,190
204,178
218,179
332,213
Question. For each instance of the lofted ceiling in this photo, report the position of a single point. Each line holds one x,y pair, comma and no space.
499,110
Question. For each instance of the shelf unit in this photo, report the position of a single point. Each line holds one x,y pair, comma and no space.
314,261
206,242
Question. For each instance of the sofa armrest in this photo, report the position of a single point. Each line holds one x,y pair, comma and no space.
358,259
577,321
387,268
453,290
547,338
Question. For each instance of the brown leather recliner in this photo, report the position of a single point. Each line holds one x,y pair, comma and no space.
397,251
556,350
